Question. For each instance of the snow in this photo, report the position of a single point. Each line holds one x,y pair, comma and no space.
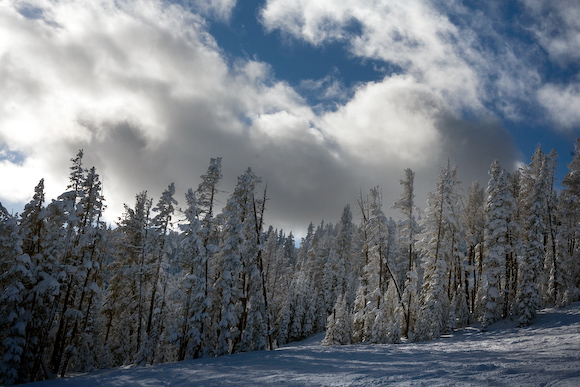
545,353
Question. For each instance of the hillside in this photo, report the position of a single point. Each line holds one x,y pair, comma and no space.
546,353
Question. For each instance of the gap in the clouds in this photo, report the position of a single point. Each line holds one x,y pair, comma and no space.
324,75
560,73
11,156
30,11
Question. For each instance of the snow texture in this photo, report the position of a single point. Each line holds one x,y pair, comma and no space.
546,353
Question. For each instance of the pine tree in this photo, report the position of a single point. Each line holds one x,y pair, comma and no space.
380,252
39,295
78,210
88,243
339,324
475,223
125,307
368,295
549,284
16,278
159,260
535,188
437,245
569,236
241,300
344,266
408,231
193,257
206,194
559,288
499,211
514,244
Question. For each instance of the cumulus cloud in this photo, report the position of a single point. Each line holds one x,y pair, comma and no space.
145,90
390,121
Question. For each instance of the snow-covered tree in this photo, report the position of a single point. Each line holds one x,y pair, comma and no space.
243,312
474,219
345,267
437,243
77,237
569,237
499,212
534,195
339,324
125,305
157,264
16,278
408,233
192,260
380,250
38,295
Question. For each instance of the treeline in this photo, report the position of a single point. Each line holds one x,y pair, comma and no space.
170,283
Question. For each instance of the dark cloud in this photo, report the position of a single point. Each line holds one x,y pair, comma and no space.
473,145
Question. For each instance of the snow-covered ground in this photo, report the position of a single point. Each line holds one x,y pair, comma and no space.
546,353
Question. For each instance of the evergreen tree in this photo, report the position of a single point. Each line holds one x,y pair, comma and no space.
16,278
125,304
78,211
368,296
157,264
514,244
206,194
499,211
339,324
475,224
380,251
241,300
570,230
437,245
408,231
534,191
193,257
39,295
344,266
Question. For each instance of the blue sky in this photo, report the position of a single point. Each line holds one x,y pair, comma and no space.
322,98
294,61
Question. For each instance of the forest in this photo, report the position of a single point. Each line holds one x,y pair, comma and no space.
171,281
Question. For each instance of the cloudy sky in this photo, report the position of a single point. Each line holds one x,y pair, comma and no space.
321,98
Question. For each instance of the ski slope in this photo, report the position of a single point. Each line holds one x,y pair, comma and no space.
546,353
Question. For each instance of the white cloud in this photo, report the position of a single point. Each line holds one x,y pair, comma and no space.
388,122
412,35
563,104
557,27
